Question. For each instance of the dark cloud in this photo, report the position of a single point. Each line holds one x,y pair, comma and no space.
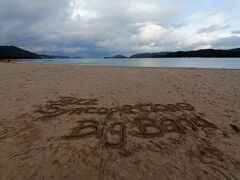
229,42
236,32
213,28
28,12
22,20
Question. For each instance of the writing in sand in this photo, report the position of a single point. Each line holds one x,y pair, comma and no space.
112,125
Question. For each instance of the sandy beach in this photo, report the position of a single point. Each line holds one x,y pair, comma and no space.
100,123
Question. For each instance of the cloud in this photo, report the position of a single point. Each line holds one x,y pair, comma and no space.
138,8
213,28
97,28
236,32
79,10
227,42
150,33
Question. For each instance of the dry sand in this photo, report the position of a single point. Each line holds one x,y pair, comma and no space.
73,122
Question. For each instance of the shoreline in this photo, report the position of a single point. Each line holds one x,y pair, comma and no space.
175,63
125,67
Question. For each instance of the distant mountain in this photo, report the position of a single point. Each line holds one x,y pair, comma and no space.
237,49
142,55
44,56
149,55
204,53
116,57
199,53
12,52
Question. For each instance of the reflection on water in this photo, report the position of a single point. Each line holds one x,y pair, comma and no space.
228,63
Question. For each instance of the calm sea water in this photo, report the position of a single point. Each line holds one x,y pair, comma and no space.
227,63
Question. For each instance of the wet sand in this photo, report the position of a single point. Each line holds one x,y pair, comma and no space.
75,122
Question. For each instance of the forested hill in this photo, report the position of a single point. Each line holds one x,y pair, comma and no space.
199,53
12,52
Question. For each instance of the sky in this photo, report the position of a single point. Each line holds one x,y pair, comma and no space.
98,28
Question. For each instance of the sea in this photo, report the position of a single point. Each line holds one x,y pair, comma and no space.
213,63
